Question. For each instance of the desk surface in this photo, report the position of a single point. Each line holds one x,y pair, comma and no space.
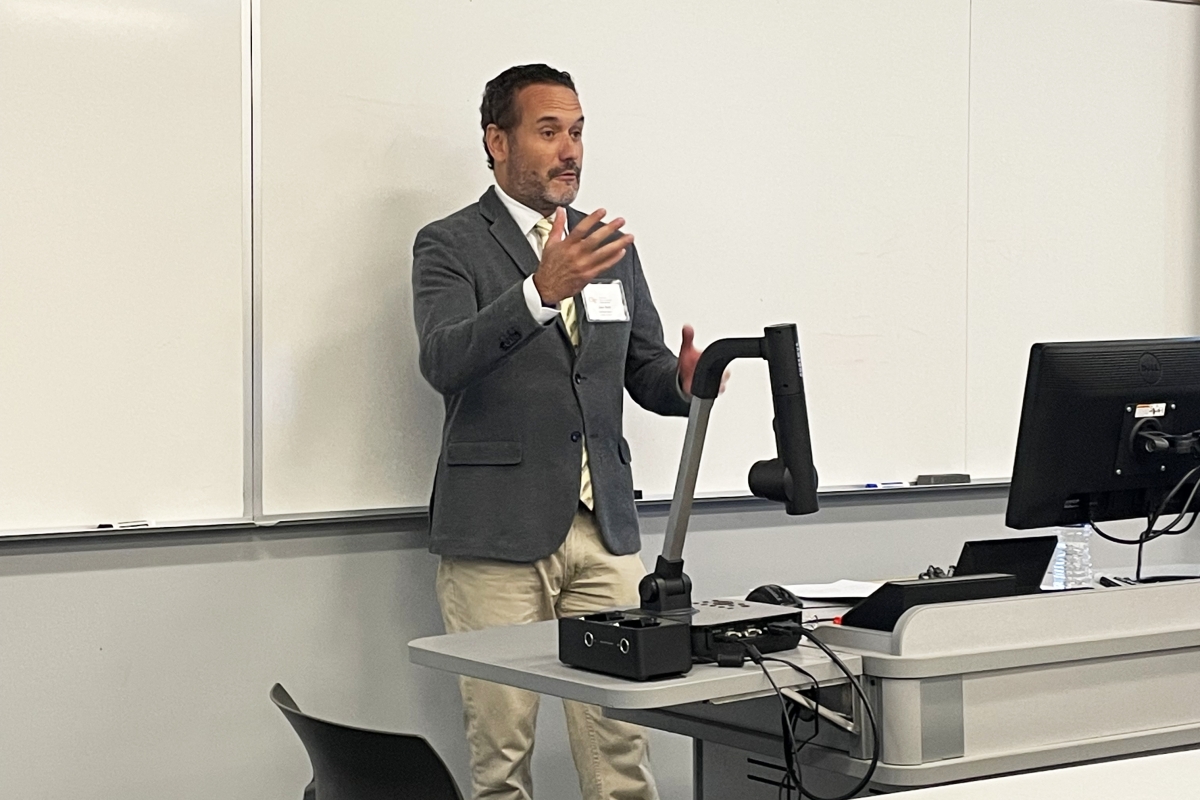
526,656
1161,777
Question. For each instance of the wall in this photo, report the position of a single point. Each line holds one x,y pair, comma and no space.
137,668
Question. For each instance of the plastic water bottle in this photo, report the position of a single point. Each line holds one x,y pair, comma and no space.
1072,567
1058,565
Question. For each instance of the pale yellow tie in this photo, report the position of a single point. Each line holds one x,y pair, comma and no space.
571,321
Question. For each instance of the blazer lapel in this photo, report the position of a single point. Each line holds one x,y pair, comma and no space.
506,232
585,328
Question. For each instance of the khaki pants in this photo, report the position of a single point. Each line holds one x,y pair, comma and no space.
610,756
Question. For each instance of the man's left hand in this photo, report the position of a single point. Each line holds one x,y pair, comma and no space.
688,356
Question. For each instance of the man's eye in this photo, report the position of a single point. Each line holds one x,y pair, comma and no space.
577,135
547,134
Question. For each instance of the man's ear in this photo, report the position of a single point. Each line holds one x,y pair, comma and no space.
497,143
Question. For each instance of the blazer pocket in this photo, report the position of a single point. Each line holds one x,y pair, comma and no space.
623,451
483,454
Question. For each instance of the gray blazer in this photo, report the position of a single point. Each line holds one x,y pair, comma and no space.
520,400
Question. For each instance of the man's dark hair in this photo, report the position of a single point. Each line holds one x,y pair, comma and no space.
499,105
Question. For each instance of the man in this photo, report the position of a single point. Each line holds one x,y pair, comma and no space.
530,340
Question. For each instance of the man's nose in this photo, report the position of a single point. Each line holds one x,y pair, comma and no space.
571,150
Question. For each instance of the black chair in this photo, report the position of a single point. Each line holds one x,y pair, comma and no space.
357,764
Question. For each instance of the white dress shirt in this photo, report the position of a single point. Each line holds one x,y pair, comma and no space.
526,218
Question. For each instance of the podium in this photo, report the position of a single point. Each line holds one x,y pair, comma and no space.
961,690
975,689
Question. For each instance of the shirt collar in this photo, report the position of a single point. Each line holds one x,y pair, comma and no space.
523,215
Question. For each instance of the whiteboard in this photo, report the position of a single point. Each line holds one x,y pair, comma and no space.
1085,190
889,176
822,119
122,281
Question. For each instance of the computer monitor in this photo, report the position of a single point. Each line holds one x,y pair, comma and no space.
1108,430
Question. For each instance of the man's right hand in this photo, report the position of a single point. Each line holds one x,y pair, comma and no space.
568,264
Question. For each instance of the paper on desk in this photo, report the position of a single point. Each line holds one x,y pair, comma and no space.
838,590
815,611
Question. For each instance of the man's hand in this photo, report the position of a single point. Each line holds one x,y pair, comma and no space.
688,356
568,264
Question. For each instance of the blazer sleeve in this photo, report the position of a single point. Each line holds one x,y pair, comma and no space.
461,342
651,369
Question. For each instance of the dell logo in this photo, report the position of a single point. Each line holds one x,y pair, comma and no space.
1150,369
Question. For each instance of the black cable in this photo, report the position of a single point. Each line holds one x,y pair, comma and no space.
1162,507
792,756
866,704
1183,511
791,749
1115,539
789,739
1141,547
1187,527
1165,532
1149,534
793,779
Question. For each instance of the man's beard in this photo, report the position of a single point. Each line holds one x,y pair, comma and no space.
537,192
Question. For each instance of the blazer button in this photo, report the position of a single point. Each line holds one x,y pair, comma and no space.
576,436
578,378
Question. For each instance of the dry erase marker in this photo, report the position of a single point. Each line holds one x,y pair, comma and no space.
884,485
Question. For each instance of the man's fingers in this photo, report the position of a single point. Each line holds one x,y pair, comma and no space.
592,248
600,267
584,228
605,252
559,224
603,232
591,230
689,335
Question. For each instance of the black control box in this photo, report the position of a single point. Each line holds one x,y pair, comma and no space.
731,648
642,645
630,644
721,628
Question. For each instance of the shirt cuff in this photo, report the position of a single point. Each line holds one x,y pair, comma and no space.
541,313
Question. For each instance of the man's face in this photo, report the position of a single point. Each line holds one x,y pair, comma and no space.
539,162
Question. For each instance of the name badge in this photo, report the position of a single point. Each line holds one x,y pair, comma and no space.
605,302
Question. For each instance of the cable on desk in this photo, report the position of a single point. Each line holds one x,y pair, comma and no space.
866,704
1151,533
792,777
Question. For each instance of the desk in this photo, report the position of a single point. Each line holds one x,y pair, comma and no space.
962,690
1169,776
526,656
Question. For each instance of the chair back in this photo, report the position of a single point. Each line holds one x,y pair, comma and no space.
358,764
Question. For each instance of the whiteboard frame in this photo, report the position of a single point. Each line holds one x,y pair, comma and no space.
254,454
153,35
831,497
252,247
251,472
